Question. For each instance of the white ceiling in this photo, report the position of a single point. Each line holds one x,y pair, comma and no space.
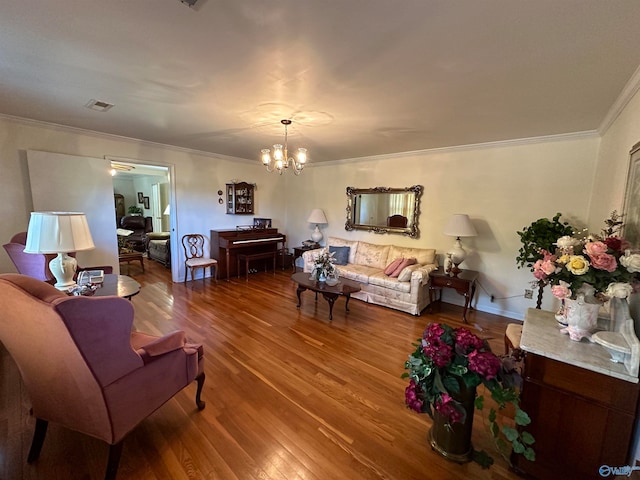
357,77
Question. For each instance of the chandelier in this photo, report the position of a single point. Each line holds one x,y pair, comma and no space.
281,160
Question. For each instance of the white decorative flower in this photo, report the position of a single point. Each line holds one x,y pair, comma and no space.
631,262
619,290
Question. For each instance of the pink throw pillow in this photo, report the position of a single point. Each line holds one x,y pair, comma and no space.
392,266
405,263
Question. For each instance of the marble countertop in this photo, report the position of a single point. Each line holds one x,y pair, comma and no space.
541,335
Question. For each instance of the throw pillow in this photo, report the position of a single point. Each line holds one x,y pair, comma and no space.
405,274
404,264
392,266
340,254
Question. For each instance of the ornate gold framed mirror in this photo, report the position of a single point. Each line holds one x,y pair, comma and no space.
384,210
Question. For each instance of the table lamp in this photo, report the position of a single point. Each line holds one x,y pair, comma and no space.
60,233
317,216
459,226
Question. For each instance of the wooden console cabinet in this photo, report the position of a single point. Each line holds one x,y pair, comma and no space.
582,406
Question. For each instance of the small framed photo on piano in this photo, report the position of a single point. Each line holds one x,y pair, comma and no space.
261,223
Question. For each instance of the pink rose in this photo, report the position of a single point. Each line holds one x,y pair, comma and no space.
595,248
548,267
561,291
538,272
604,261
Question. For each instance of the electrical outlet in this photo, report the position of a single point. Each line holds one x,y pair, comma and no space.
528,293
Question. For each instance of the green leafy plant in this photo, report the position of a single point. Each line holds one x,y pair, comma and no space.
133,209
446,358
540,235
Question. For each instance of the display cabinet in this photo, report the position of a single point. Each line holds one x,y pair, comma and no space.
240,198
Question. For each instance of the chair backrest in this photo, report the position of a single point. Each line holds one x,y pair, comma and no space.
35,265
397,221
68,350
137,223
193,244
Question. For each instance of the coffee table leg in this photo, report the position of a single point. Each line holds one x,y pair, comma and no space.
331,299
346,305
299,290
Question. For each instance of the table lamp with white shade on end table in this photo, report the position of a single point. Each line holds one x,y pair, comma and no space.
459,226
59,233
317,216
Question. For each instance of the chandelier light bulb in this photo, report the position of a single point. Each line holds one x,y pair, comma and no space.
266,156
302,155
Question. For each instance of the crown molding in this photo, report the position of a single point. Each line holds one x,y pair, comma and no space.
120,138
629,90
472,146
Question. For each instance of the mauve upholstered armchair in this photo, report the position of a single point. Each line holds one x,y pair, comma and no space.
36,265
84,368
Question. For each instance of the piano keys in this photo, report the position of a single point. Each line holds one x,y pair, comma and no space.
226,244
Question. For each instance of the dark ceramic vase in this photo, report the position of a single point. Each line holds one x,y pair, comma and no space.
454,442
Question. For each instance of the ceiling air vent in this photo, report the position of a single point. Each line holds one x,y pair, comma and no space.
98,105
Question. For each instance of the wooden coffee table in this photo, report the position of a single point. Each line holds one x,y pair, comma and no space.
120,285
345,287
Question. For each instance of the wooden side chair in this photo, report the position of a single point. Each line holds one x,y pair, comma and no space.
195,257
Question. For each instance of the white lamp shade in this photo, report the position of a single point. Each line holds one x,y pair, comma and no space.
167,211
317,216
58,232
460,226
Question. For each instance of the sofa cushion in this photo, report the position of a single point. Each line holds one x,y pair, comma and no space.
358,273
340,254
405,274
404,264
392,266
424,256
372,255
341,242
381,280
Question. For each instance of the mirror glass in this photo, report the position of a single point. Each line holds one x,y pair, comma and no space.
384,209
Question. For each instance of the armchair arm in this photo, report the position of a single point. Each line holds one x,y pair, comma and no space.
157,346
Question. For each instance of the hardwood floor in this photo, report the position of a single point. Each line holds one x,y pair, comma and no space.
289,394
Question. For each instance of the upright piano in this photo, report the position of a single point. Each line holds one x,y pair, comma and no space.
226,244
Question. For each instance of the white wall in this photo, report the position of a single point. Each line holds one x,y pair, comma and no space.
197,176
503,187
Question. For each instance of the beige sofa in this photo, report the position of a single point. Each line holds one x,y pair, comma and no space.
366,264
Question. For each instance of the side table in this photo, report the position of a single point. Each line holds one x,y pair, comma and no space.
464,283
297,252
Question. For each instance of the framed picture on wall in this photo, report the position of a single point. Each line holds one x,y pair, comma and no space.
261,223
631,229
140,197
146,202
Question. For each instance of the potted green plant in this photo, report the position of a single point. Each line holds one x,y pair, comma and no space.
134,210
444,371
538,237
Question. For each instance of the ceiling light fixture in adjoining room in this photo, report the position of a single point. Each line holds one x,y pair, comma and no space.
281,160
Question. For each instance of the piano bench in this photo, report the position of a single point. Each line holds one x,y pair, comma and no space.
247,258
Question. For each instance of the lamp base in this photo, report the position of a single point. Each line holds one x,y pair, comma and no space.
316,235
63,267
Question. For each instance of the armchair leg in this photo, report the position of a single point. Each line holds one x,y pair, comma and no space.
200,379
115,451
38,439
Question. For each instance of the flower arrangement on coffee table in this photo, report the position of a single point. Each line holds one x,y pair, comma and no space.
323,265
446,358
